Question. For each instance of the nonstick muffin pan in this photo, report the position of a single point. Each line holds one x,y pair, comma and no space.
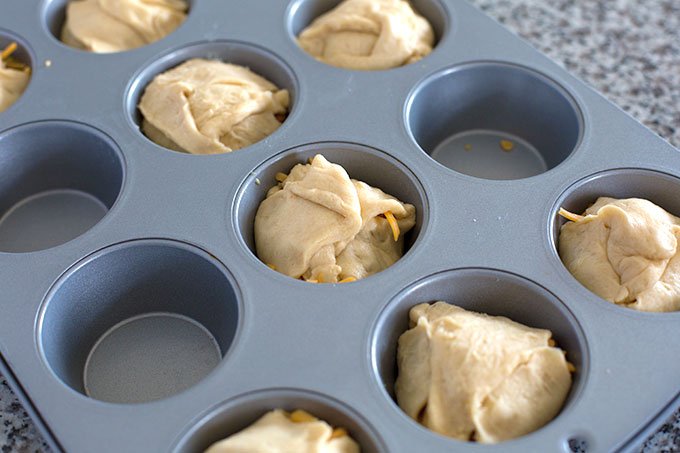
129,274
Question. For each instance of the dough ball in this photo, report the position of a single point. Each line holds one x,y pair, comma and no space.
627,252
368,35
280,432
210,107
116,25
14,78
471,376
319,225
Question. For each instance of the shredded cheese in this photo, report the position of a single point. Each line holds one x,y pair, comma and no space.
393,224
338,432
300,416
280,177
570,215
348,280
6,57
507,145
11,63
571,367
271,266
311,280
9,50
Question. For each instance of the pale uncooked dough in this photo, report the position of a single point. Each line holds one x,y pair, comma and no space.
368,35
13,82
627,252
276,432
320,225
116,25
471,376
209,107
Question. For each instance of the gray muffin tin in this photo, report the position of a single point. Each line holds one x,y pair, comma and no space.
155,248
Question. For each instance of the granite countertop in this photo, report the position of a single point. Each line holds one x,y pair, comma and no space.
629,50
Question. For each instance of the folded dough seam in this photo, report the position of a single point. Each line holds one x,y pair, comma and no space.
318,224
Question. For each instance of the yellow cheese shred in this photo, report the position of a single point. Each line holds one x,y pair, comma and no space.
338,432
570,215
507,145
6,56
300,416
271,266
280,177
393,224
348,280
9,50
571,367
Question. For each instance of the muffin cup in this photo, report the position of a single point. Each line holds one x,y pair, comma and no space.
139,321
237,414
494,120
488,291
57,181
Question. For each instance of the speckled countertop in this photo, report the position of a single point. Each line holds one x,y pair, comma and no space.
627,49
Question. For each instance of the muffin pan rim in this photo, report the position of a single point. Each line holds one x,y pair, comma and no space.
262,152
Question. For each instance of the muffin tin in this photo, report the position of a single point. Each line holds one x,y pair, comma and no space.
139,285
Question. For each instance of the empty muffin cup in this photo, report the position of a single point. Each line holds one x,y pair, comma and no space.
239,413
487,291
57,180
494,120
154,317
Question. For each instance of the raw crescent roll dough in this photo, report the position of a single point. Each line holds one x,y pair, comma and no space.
321,225
471,376
276,432
209,107
116,25
13,82
627,252
368,35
